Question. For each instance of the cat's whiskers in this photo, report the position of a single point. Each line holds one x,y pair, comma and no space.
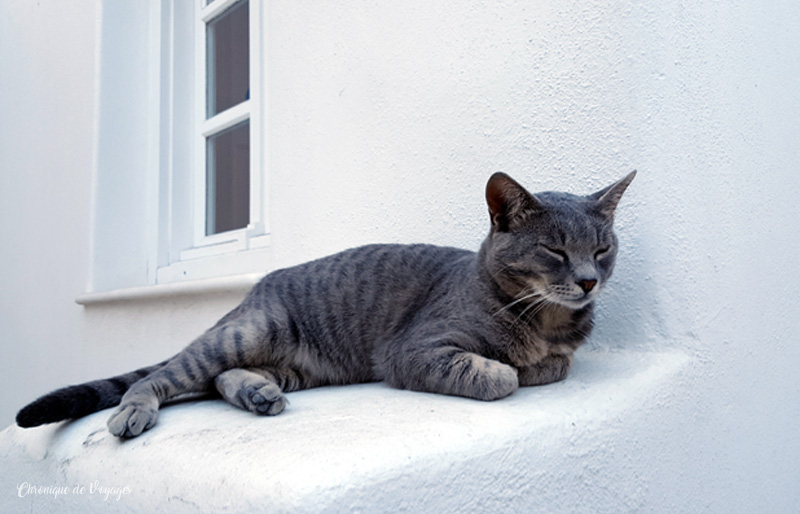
525,296
540,301
536,307
528,313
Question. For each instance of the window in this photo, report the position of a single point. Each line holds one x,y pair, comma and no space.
180,179
218,214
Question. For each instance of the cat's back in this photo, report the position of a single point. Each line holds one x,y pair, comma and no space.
370,269
369,292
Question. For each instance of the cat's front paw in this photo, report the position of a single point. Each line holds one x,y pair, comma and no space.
500,380
131,419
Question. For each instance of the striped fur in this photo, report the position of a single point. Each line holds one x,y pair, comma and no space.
419,317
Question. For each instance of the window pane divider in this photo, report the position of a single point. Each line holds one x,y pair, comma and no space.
226,119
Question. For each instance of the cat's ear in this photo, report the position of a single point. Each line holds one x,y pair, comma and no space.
507,200
607,199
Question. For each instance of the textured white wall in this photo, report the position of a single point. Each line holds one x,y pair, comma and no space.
386,120
404,111
47,51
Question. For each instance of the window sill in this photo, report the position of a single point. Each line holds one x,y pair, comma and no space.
206,263
559,448
232,283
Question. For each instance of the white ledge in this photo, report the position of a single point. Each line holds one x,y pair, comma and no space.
209,285
362,448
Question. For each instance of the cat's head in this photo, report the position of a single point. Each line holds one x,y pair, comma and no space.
550,247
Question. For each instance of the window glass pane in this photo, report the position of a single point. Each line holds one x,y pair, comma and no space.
228,54
228,179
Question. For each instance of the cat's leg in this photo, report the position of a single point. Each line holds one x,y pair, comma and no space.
225,346
552,368
445,369
260,390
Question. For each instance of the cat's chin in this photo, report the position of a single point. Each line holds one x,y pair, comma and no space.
576,305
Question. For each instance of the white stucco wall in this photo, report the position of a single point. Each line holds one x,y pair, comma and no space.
47,55
386,120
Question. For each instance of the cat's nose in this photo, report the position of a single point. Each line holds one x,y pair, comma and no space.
587,284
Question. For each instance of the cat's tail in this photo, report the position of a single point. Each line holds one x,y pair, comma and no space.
80,400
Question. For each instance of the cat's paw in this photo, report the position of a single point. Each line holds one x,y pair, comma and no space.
499,381
264,399
131,419
250,391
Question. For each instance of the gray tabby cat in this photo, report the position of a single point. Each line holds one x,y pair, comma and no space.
426,318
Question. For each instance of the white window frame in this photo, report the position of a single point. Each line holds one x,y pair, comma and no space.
189,253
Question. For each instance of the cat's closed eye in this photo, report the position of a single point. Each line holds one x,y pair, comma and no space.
557,253
602,252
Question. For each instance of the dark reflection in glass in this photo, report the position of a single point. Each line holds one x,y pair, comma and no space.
228,179
228,54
